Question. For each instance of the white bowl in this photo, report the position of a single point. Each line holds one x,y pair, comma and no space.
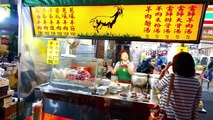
105,82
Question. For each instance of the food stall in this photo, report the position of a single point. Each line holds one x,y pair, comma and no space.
51,31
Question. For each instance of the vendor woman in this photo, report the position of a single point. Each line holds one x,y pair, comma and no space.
124,68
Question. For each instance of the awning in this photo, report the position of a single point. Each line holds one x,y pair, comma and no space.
208,20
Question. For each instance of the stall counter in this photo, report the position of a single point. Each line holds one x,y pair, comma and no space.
82,105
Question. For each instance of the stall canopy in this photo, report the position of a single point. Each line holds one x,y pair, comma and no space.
208,21
104,2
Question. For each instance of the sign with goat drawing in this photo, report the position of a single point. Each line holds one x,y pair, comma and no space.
99,21
159,22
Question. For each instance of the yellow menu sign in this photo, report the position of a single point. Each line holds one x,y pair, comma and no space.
170,22
52,52
5,10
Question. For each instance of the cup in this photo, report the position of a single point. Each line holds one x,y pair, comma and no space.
129,88
114,78
37,110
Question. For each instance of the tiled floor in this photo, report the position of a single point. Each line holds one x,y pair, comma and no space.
207,86
207,99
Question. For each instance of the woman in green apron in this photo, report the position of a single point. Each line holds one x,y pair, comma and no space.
124,68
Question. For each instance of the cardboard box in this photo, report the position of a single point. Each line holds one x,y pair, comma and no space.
10,112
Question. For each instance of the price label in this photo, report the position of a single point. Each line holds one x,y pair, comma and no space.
52,52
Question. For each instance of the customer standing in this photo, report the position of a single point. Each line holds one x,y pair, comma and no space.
210,69
28,80
186,92
123,68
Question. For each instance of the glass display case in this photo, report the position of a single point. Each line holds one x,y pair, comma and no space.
78,83
74,72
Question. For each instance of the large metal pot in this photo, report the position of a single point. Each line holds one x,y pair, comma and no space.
152,79
139,79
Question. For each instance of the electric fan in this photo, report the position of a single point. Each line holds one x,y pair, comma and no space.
70,45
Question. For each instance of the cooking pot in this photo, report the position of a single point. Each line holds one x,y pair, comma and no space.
152,91
152,79
139,79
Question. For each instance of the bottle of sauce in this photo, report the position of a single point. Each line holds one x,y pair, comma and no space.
104,69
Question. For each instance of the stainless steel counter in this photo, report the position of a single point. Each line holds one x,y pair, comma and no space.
91,106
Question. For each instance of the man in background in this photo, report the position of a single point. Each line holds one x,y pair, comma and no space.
210,69
159,62
146,66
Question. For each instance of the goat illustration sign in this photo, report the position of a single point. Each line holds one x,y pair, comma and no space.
159,22
99,21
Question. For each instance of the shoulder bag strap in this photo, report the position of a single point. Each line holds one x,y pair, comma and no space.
172,76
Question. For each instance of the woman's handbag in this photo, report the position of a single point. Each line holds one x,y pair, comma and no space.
158,113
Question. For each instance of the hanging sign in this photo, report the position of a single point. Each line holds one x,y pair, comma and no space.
182,49
207,33
52,52
5,10
159,22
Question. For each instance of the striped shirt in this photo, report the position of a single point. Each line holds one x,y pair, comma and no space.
184,99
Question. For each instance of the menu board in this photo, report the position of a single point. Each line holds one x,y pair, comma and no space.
52,52
159,22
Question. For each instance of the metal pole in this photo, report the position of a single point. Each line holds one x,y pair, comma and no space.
19,9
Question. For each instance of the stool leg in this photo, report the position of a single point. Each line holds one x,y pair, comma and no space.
202,82
208,85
